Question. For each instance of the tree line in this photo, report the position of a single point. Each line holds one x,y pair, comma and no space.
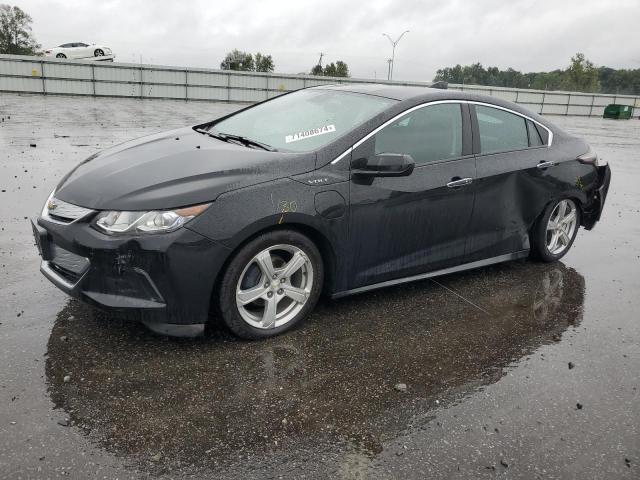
246,62
580,76
338,69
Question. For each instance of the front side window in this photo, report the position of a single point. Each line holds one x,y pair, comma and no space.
501,131
305,120
427,134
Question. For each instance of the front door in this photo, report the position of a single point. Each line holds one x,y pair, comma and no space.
403,226
80,50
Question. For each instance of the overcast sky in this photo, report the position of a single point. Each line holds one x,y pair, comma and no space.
528,35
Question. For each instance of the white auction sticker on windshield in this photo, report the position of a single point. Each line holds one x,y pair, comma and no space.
314,132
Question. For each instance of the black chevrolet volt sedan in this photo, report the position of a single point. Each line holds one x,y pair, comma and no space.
335,189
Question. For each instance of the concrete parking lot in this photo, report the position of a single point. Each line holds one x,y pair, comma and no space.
521,370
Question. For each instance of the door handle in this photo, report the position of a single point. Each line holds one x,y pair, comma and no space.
459,182
543,165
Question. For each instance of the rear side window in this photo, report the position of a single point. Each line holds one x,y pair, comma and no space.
501,131
535,140
427,134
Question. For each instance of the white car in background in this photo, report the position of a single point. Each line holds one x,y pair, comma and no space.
79,50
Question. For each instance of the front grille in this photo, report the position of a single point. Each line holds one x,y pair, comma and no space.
64,212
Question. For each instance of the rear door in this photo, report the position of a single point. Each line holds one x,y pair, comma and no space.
513,184
409,225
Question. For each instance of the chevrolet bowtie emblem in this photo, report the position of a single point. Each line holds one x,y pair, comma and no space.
51,205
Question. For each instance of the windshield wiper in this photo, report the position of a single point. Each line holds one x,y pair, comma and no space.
218,136
248,142
226,137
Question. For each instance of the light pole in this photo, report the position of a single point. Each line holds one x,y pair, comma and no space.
393,53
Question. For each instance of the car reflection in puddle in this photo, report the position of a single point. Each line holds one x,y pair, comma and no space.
328,386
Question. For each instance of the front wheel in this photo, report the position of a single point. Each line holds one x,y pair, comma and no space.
61,55
99,52
553,235
271,284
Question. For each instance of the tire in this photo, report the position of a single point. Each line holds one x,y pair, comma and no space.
98,53
61,55
297,271
556,221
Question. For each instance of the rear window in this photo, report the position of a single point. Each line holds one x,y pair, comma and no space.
304,120
501,131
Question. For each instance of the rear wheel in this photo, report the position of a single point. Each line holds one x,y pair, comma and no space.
61,55
556,230
271,284
99,52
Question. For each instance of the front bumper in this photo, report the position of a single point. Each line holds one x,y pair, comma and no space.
594,209
164,280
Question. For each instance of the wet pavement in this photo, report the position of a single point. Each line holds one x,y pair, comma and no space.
520,370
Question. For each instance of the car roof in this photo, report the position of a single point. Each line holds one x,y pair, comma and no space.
396,92
414,95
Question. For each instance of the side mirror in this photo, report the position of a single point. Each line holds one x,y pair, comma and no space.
384,165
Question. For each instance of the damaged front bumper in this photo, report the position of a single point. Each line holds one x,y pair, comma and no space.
163,280
593,212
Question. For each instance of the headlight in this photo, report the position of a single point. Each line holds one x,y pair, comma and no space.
147,222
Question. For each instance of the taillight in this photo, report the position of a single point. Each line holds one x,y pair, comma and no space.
590,158
47,51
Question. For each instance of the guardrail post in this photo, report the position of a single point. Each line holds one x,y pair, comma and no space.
566,112
517,92
593,100
228,87
186,85
44,85
141,83
93,78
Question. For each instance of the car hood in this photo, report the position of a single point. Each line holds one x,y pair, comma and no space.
173,169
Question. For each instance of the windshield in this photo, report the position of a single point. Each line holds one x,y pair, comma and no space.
304,120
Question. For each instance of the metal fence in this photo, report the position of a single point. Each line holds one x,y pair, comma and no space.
24,74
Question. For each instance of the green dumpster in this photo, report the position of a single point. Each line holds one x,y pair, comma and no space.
621,112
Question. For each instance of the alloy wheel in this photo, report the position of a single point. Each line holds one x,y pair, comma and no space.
561,226
274,286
